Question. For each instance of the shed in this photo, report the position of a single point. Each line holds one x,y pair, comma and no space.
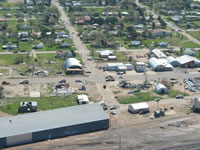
172,61
51,124
140,67
82,99
161,89
196,105
138,107
112,57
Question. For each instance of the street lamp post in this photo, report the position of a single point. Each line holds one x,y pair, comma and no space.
157,100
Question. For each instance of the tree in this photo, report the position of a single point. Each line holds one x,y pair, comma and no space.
1,91
19,59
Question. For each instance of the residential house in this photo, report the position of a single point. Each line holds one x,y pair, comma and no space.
135,43
160,33
190,52
39,46
65,45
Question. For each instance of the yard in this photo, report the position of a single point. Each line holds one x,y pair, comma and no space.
194,34
44,103
137,97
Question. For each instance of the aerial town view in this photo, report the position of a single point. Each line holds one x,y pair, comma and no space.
100,74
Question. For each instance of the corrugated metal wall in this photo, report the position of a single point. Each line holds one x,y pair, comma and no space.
2,142
71,130
19,139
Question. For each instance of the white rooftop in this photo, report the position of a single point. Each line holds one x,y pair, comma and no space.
140,106
158,53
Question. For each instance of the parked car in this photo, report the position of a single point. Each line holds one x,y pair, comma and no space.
130,92
113,107
113,112
89,58
77,80
5,83
88,72
179,96
120,73
109,78
105,107
24,82
62,81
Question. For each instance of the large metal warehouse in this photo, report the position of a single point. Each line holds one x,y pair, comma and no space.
44,125
188,61
172,61
159,64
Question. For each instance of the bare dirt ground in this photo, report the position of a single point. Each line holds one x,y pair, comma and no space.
15,1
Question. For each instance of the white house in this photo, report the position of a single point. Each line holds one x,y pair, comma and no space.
138,107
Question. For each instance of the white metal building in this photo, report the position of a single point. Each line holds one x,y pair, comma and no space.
129,67
82,99
159,64
112,58
159,54
138,107
105,53
140,67
73,66
119,66
161,89
172,61
188,61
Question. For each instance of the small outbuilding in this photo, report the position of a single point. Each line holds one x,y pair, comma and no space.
138,108
140,67
161,89
190,52
82,99
111,58
196,105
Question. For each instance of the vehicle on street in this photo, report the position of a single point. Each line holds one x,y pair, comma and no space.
179,96
120,73
78,81
62,81
89,58
88,72
5,83
109,78
113,112
24,82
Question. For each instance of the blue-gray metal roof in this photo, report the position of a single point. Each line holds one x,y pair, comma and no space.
45,120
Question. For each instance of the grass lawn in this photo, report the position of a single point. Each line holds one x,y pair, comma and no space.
121,56
173,93
138,97
194,34
12,24
9,59
25,46
43,58
190,44
44,103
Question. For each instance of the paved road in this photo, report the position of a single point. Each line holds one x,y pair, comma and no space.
170,24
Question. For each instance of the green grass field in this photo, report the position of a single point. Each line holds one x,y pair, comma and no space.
137,97
44,103
194,34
